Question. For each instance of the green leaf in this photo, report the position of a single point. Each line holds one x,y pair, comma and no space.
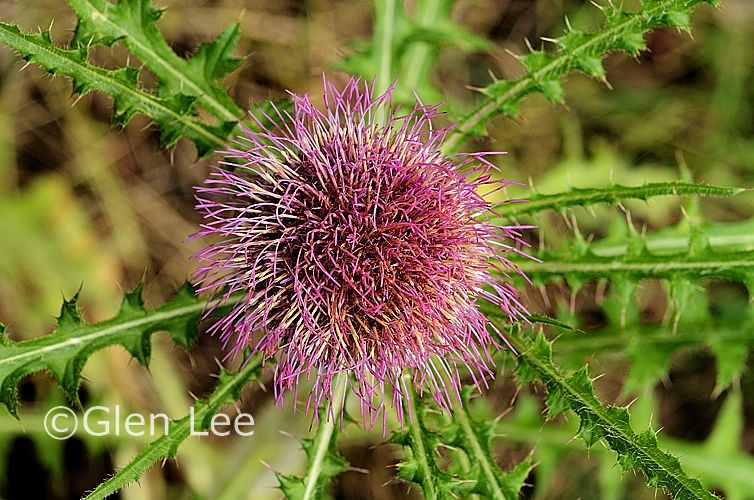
597,422
682,268
65,351
650,347
579,51
571,42
174,115
134,23
612,194
228,391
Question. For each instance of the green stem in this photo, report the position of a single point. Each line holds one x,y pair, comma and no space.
326,430
418,62
462,416
385,25
420,451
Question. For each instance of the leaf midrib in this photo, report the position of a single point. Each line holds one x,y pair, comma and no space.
601,413
487,109
665,265
203,94
100,73
151,317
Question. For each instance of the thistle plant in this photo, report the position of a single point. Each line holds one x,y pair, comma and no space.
360,249
362,260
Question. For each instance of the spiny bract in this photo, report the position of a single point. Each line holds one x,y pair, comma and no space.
361,249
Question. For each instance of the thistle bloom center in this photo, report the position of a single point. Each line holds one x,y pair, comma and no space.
360,249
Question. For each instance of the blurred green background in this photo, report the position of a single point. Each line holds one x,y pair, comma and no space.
85,207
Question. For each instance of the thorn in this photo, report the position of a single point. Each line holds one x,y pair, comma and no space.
545,297
600,292
685,214
573,303
575,224
267,465
567,221
675,322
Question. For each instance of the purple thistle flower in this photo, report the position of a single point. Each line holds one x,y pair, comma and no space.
360,249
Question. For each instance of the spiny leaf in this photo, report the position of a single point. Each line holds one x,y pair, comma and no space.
650,348
173,114
536,318
65,351
581,265
610,424
613,194
228,391
720,463
4,340
134,23
578,51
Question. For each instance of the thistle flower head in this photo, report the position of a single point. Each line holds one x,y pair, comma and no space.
360,250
